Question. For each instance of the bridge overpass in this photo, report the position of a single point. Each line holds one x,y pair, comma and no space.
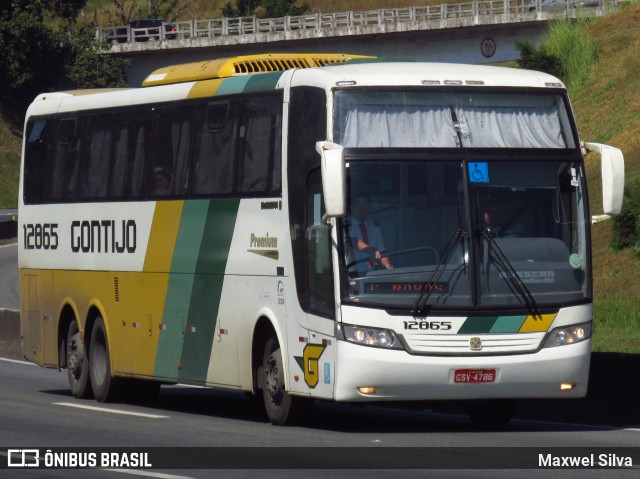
482,31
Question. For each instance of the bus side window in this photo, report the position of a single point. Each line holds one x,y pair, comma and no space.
171,151
65,160
36,170
96,151
215,148
131,143
260,146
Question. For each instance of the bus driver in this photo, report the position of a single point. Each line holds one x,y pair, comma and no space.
366,238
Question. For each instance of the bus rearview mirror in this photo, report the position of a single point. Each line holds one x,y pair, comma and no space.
334,178
612,164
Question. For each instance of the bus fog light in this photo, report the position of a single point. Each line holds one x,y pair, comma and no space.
567,386
366,390
569,335
377,337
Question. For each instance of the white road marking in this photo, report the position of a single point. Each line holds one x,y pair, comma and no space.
17,361
108,410
8,245
137,472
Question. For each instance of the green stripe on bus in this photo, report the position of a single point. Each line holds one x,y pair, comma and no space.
204,304
232,85
262,82
508,324
180,288
476,325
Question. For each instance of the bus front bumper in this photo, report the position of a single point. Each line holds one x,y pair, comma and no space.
394,375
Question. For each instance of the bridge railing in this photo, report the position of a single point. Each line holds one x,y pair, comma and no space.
219,27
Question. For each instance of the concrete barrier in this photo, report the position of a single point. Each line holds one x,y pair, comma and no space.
10,343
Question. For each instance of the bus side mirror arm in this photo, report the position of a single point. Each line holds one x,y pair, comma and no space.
612,170
334,179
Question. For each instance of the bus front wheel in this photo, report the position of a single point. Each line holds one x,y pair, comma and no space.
103,384
77,363
282,409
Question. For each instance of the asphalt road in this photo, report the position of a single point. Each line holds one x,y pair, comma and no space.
37,411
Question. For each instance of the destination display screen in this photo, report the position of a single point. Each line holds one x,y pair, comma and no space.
404,287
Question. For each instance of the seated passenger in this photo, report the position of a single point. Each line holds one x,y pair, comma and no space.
161,182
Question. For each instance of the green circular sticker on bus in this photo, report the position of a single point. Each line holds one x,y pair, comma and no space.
575,261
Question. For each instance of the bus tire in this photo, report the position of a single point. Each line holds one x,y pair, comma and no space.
282,409
77,363
490,414
104,385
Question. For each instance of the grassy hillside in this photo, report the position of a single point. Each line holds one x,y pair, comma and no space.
607,110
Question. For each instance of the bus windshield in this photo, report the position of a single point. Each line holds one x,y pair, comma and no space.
424,234
451,119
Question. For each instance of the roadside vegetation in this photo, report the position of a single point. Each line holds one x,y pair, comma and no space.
608,111
599,60
118,12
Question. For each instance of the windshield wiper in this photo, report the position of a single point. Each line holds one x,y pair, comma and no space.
422,305
509,274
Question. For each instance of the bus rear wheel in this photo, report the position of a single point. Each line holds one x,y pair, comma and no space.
104,385
77,363
282,409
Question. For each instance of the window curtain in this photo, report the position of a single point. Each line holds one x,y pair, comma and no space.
497,127
384,126
390,126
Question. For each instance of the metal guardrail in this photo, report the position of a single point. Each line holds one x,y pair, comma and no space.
510,10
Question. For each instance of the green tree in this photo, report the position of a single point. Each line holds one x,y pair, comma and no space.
532,58
567,52
66,9
264,8
30,54
168,9
86,67
37,58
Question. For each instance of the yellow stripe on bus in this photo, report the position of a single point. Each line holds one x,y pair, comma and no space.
205,88
162,240
537,324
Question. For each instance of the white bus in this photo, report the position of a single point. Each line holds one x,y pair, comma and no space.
205,229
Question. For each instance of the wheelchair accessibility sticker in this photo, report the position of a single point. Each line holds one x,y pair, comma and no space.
478,172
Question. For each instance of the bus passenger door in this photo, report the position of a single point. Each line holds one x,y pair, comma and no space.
314,358
39,336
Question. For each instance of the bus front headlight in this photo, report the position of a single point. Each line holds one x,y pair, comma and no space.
376,337
569,335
